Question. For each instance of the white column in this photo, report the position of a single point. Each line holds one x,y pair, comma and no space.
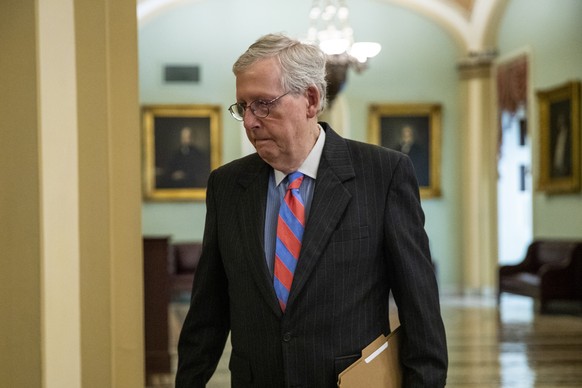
71,275
60,262
479,166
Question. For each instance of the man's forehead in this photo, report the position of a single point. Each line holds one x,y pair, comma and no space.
258,84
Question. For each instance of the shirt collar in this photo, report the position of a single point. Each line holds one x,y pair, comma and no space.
311,163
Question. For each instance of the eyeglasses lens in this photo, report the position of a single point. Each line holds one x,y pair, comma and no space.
260,108
237,111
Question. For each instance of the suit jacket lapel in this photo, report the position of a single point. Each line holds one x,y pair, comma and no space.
251,219
330,199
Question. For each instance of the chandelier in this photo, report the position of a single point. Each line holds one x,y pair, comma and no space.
330,29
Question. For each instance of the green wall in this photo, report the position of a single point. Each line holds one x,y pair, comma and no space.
551,32
417,64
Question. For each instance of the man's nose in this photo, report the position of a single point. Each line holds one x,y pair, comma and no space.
249,119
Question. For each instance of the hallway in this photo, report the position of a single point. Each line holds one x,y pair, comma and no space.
507,348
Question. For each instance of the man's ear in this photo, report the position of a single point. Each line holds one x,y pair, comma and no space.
313,101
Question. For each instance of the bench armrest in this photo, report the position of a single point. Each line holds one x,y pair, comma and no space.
516,268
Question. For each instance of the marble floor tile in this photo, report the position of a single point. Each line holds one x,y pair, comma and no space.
505,346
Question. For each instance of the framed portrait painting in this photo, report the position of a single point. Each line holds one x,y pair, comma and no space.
559,153
414,129
181,145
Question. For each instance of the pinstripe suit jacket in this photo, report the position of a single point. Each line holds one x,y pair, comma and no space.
364,237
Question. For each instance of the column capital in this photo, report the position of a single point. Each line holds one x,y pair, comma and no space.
477,64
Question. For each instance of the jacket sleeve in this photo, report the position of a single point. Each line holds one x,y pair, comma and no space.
424,350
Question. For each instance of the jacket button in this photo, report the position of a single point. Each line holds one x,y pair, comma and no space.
287,337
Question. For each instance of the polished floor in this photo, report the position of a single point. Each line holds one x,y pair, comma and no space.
511,346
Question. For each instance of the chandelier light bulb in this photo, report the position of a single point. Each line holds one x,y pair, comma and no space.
330,9
314,13
364,50
330,29
334,46
343,13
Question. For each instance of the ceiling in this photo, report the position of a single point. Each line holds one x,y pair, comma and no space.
467,5
472,23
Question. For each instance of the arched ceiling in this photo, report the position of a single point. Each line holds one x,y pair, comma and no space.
472,23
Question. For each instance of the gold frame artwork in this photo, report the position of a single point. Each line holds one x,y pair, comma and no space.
559,160
181,145
387,123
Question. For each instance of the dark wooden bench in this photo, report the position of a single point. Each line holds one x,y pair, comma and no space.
551,270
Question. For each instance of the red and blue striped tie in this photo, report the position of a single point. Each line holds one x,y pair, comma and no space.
290,228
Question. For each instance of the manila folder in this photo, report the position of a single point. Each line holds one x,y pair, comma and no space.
379,365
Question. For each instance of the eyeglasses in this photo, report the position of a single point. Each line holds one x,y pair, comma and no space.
260,108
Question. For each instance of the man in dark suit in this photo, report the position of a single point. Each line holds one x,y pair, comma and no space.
363,237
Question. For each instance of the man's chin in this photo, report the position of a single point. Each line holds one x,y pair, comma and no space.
265,147
268,154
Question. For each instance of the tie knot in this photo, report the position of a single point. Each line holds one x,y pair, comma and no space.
295,179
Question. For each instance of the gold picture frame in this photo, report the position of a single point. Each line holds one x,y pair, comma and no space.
559,154
417,125
181,145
